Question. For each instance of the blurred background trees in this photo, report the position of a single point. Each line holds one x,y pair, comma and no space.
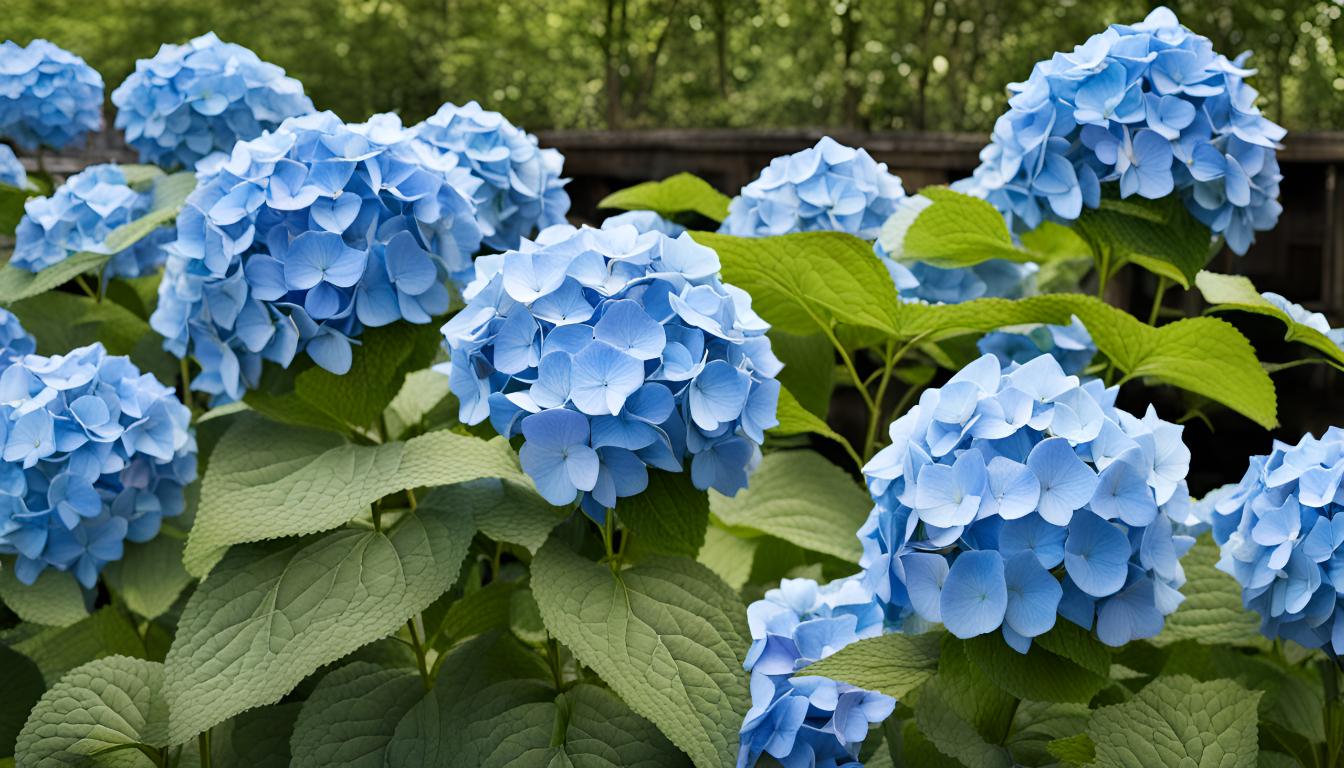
864,64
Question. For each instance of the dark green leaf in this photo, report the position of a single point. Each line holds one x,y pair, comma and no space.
1038,675
54,600
57,650
1159,235
22,684
669,517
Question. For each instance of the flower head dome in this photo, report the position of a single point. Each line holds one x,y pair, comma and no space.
95,454
48,96
611,351
11,170
202,97
301,239
1009,497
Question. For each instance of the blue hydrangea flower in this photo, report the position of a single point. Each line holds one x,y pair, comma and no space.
1282,535
1314,320
11,170
808,721
94,454
202,97
1070,344
48,96
79,216
645,221
1150,107
1011,496
301,239
826,187
611,351
14,340
522,191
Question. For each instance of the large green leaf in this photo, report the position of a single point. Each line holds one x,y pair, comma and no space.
682,193
506,510
955,230
1159,235
54,600
670,516
1212,611
794,419
1038,675
57,650
728,555
270,614
149,577
1235,292
348,720
667,635
894,664
963,714
22,683
113,708
267,480
1038,723
380,363
802,498
1176,722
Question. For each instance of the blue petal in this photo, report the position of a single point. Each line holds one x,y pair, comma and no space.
1096,555
602,378
975,596
1067,483
1033,596
718,395
925,575
627,327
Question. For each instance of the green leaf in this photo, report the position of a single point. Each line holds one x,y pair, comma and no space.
1070,641
149,577
802,498
62,321
1037,723
894,664
270,614
667,635
1038,675
1176,722
963,713
525,618
1159,235
682,193
380,363
727,555
22,683
421,393
257,738
1077,749
802,283
114,705
794,419
670,516
57,650
11,207
955,230
476,613
348,720
267,480
952,733
1212,611
809,363
506,510
1235,292
54,600
1064,257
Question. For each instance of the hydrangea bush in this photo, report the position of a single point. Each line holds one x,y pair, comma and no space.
201,97
48,96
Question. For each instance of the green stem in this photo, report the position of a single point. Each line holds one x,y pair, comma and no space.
890,358
845,358
1162,285
377,515
419,649
608,534
203,748
553,660
1276,367
84,286
1103,273
185,366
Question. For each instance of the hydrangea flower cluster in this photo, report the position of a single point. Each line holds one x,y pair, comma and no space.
48,95
1071,345
645,221
201,97
808,721
14,340
1011,496
80,215
301,239
11,170
826,187
1281,530
1300,314
1151,107
95,454
612,351
522,191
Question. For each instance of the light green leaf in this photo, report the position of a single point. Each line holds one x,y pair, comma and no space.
1176,722
420,394
794,419
113,708
802,498
1077,749
667,635
728,555
270,614
1038,675
682,193
57,650
955,230
1159,235
506,510
22,684
140,176
670,516
1235,292
894,664
267,480
1212,611
54,600
1064,257
150,576
348,720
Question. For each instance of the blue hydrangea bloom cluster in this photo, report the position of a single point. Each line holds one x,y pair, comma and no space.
48,96
610,352
11,170
304,237
80,215
808,721
1151,107
1071,345
1282,535
14,340
1011,496
522,191
1300,314
95,454
202,97
645,221
827,187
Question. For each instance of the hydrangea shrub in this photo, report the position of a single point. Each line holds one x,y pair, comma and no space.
48,96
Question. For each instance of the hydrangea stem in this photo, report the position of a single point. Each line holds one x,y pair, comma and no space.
1162,285
203,748
419,649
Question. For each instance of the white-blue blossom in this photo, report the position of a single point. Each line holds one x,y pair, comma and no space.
48,96
522,190
1149,107
613,351
95,454
11,170
1010,496
200,97
304,237
79,216
1070,344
